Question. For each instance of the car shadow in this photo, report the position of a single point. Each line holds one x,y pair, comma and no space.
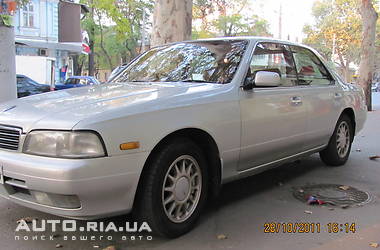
246,188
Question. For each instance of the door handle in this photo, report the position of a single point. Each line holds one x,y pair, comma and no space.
296,100
338,95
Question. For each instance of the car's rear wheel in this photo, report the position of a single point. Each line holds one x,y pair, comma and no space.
339,147
174,188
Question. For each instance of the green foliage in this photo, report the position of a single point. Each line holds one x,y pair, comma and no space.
237,25
225,18
115,28
6,20
231,25
199,34
336,23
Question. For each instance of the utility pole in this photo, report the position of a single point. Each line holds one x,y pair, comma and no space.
280,23
91,43
334,39
333,48
143,32
8,89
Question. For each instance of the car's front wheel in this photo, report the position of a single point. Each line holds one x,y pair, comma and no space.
174,188
339,147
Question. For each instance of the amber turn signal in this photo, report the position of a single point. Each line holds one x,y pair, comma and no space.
130,145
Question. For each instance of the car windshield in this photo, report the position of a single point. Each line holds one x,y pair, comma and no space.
198,61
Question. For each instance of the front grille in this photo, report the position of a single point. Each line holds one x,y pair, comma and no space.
9,137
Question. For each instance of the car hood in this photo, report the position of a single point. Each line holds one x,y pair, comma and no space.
64,109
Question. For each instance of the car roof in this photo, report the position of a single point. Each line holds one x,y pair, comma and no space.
242,38
251,38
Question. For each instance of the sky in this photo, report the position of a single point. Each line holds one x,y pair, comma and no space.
295,14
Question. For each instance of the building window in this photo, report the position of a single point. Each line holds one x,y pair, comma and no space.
26,51
28,15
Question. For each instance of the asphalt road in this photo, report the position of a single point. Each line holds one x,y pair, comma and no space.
244,207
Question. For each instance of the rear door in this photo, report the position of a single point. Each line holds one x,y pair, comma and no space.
322,96
273,118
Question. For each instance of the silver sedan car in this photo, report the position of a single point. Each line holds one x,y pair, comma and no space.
173,126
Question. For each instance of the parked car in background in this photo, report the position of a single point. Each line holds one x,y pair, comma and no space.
27,86
77,81
375,87
172,127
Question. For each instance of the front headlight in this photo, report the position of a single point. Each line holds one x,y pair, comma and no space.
64,144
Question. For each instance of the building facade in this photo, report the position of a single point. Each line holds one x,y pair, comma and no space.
40,54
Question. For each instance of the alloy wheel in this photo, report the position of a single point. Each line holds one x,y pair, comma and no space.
343,139
182,188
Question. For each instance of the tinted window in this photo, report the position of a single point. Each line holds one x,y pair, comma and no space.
275,58
23,82
309,68
20,81
208,61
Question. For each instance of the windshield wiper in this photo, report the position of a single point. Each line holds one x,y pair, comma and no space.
190,80
135,81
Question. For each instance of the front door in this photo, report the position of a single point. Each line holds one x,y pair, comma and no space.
273,118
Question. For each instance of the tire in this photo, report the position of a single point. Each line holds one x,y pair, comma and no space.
162,173
337,152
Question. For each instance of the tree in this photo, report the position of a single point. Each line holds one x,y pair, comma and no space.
226,20
201,10
238,25
121,41
367,61
7,55
336,32
99,16
171,21
100,9
136,12
78,62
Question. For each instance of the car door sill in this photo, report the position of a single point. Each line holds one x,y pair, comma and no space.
266,166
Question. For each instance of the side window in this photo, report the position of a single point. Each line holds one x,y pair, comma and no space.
310,69
19,81
276,58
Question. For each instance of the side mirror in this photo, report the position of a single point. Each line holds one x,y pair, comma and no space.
267,79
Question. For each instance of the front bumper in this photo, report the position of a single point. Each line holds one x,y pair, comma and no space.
104,186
